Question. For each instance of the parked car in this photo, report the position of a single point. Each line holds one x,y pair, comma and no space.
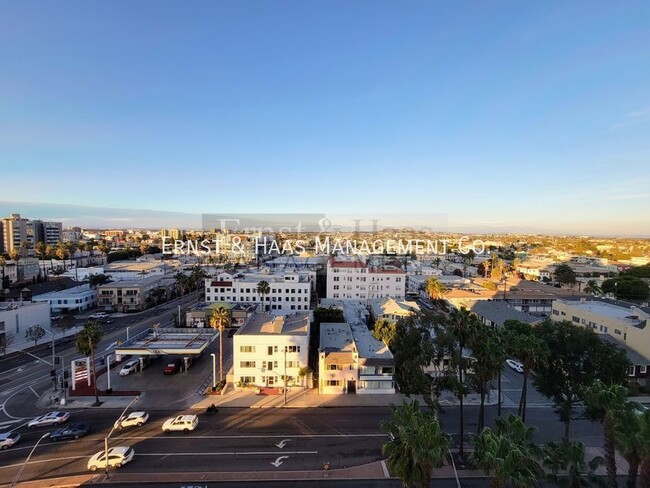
133,419
183,423
52,418
72,431
8,439
516,365
173,367
98,315
117,457
129,367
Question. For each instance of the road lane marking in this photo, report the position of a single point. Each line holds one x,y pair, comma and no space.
278,462
282,443
279,436
34,392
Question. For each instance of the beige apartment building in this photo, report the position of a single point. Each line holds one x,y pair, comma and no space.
130,295
627,324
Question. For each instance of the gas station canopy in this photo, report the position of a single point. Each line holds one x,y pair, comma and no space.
161,341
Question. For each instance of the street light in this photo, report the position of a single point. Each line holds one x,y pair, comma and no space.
22,468
214,371
111,432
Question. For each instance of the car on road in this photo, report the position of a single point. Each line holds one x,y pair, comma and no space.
72,431
98,315
133,419
173,367
129,367
107,321
117,457
516,365
52,418
182,423
8,439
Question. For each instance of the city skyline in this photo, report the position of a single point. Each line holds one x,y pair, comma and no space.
501,117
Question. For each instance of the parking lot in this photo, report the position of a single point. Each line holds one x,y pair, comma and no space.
173,391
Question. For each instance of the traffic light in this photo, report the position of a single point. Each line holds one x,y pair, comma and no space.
52,373
66,374
57,360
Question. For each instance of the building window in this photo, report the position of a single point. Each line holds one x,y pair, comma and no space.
334,367
246,380
643,369
556,312
247,364
332,383
246,348
630,371
617,331
293,348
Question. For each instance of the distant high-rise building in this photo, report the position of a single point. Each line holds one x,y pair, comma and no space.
52,233
172,233
14,231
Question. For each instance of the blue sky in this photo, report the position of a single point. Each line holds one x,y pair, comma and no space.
499,114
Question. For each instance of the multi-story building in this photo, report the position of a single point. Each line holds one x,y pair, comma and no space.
14,232
271,349
354,279
74,299
16,318
627,324
130,295
288,292
351,360
199,314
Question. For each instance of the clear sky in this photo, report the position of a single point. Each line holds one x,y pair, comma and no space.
532,115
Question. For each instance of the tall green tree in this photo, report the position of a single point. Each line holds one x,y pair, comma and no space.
462,325
417,444
629,434
603,402
88,339
488,351
593,288
508,455
434,288
565,275
528,349
578,358
566,464
627,288
219,318
644,435
385,330
263,290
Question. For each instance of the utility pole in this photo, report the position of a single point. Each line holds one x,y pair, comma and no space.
285,375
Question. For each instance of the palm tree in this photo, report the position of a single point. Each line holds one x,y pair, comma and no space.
603,402
434,288
644,434
218,320
62,253
507,454
41,249
263,289
182,282
462,326
628,432
529,350
489,354
50,250
14,254
88,339
566,463
417,444
593,287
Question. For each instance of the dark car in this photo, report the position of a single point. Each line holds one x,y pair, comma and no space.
172,367
72,431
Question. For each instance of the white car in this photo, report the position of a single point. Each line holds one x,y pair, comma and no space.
183,423
134,418
117,457
98,315
8,439
52,418
516,365
129,367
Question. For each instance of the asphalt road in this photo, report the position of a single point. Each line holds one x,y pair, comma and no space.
244,440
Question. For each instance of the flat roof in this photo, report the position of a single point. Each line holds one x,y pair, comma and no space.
336,337
264,323
149,280
499,312
161,341
609,310
75,290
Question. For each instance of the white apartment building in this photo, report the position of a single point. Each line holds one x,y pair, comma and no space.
75,299
16,318
351,361
289,292
268,348
353,279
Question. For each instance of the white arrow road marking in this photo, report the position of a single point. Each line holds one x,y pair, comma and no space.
282,443
279,461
